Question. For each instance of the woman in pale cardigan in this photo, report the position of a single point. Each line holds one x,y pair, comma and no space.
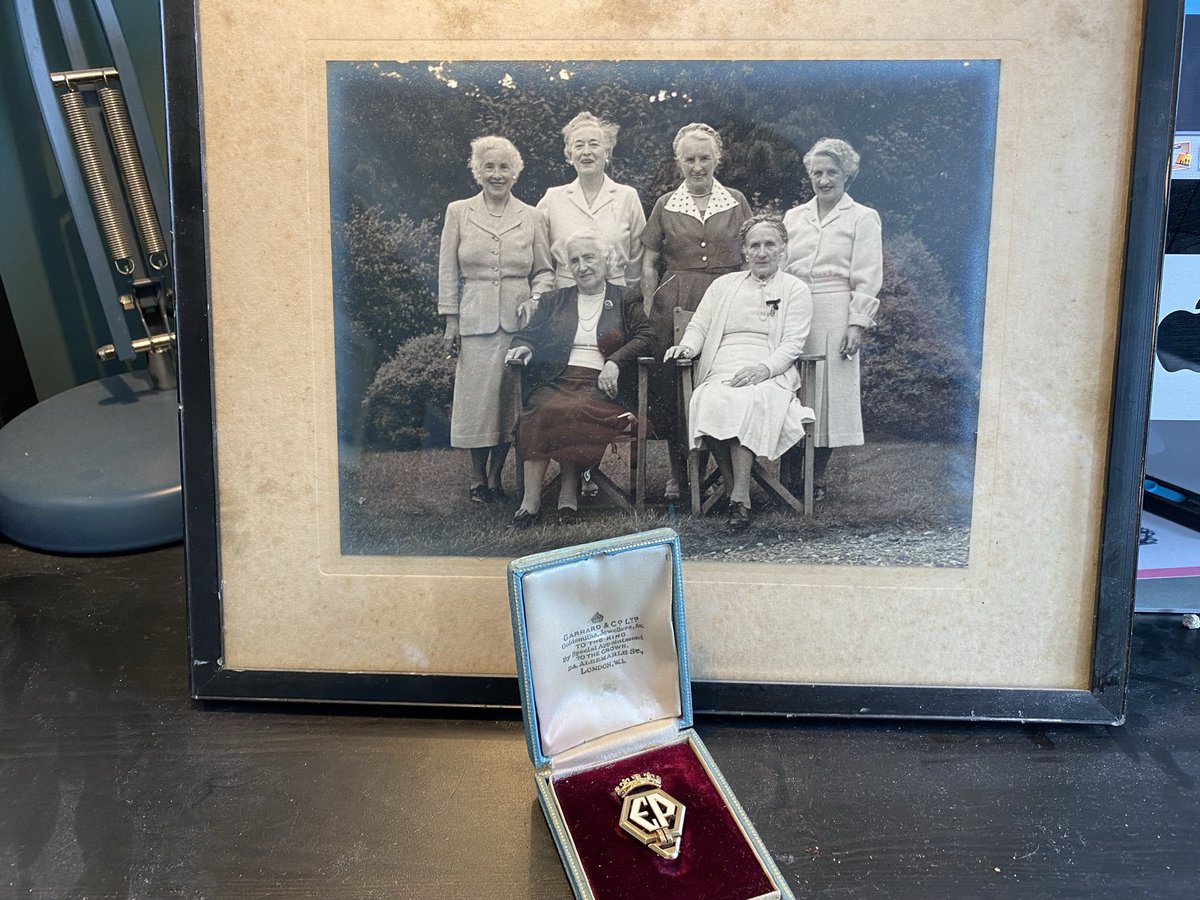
835,246
746,335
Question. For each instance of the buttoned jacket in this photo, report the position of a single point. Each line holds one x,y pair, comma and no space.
488,265
616,213
843,252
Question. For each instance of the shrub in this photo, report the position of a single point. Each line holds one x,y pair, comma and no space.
406,404
385,278
920,374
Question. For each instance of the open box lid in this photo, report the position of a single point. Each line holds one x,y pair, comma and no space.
601,643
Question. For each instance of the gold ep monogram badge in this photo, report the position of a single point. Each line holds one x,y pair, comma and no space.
651,815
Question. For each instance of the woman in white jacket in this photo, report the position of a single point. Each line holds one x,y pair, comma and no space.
835,246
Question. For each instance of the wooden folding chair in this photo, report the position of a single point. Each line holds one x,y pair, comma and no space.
769,482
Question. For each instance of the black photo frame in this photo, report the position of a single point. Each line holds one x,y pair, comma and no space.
215,677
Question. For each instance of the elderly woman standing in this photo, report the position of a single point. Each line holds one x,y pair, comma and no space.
494,253
693,231
595,201
579,347
748,331
835,246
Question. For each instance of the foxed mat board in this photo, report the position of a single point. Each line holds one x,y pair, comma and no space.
1016,611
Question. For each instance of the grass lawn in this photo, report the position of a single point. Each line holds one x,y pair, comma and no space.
887,503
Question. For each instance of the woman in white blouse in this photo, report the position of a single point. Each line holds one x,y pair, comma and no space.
594,201
835,246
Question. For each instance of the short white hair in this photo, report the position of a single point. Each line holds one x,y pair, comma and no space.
699,129
608,131
482,145
607,249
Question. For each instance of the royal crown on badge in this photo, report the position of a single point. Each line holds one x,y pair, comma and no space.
645,779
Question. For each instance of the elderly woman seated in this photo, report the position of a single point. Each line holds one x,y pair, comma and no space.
577,397
747,333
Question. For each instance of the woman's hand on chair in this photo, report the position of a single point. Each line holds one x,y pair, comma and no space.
679,351
518,356
749,375
607,382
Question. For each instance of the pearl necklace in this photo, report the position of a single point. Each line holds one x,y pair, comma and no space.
589,321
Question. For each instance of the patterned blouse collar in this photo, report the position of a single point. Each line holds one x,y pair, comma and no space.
681,202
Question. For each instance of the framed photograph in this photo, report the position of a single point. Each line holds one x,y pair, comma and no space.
961,209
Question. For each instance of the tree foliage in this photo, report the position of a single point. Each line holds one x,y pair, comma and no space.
399,143
920,368
385,277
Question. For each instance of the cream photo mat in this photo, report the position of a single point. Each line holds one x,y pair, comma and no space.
1019,615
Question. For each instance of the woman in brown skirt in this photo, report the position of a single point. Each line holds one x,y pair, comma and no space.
576,397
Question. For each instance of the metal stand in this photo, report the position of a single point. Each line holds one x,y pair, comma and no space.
96,468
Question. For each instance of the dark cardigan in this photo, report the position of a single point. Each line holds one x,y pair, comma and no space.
622,334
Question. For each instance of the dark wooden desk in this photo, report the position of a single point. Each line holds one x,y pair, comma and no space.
114,784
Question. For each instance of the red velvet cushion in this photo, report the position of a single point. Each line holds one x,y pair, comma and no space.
715,861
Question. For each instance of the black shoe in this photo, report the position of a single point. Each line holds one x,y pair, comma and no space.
480,493
739,516
525,519
568,516
498,495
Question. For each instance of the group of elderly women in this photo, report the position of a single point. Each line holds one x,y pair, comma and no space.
580,287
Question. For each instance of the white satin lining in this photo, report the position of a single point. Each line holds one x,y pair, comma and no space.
612,747
614,691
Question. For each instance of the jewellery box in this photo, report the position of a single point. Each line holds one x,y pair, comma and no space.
634,802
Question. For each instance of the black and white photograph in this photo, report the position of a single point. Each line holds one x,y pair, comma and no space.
834,301
558,281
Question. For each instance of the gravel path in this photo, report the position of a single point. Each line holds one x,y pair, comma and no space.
939,547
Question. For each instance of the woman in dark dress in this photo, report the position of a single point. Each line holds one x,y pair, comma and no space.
693,233
577,399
